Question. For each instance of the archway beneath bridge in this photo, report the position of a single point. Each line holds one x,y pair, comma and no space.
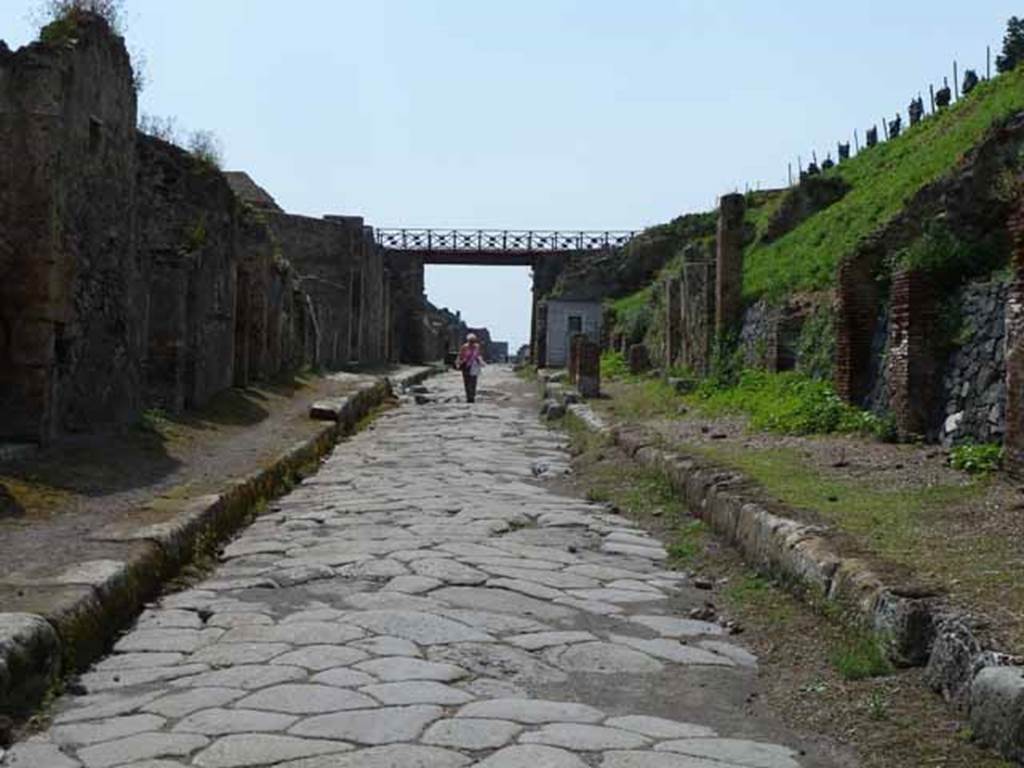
408,252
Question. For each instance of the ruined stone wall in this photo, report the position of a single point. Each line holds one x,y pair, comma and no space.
973,392
326,257
72,293
697,299
188,231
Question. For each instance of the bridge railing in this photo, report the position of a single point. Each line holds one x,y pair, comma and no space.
499,240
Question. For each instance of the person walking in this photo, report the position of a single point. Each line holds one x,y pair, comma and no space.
470,361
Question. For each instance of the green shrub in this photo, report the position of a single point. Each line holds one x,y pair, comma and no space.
976,458
613,365
789,403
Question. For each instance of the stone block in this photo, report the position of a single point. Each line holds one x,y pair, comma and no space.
997,709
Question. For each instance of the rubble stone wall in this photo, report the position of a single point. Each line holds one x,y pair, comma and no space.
72,294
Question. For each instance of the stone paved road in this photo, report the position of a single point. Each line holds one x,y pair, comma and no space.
425,601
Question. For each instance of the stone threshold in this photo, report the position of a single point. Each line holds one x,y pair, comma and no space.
98,599
916,630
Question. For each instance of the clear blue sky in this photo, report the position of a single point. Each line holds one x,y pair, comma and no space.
599,114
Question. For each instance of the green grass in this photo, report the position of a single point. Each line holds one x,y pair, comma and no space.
889,521
789,403
859,658
883,180
613,366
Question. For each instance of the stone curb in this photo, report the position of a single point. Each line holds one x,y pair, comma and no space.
915,630
36,651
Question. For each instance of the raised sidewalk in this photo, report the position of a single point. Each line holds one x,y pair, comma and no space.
91,531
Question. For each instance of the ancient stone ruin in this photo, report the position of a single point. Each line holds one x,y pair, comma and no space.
135,275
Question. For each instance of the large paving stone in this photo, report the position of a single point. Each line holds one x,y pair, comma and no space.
532,756
535,641
186,702
221,722
672,626
416,692
636,759
294,633
343,677
422,628
122,661
470,733
320,657
249,677
580,737
232,654
38,754
750,754
251,749
498,661
390,756
402,668
385,645
674,651
306,699
534,711
449,571
167,640
105,730
658,727
603,658
142,746
105,705
371,726
501,601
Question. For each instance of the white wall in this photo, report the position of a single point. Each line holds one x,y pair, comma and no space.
559,313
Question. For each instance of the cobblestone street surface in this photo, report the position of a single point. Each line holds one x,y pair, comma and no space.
426,600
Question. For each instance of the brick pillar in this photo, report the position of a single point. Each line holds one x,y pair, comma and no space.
639,359
540,342
858,303
912,367
729,263
588,367
574,355
673,320
1014,437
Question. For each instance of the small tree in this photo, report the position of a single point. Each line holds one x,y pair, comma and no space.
70,11
165,128
1013,45
206,148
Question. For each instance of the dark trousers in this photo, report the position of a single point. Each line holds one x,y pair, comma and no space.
470,383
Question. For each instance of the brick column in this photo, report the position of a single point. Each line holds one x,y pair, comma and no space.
574,356
673,320
729,263
588,362
911,368
1014,437
540,342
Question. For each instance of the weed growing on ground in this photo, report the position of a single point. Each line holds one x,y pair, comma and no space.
859,658
976,458
689,542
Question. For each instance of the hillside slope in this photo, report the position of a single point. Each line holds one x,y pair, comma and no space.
882,180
